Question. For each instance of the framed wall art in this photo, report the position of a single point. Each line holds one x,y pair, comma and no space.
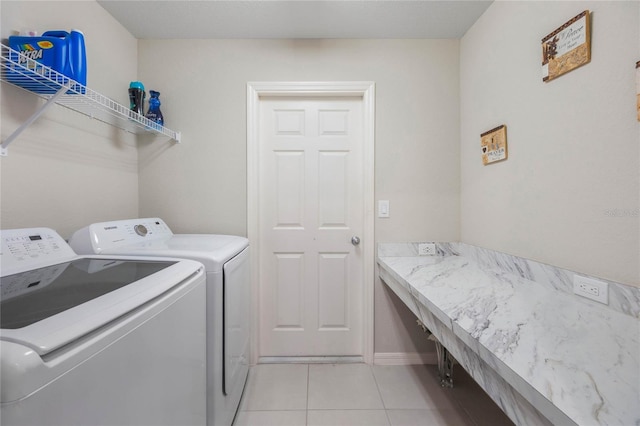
494,145
567,48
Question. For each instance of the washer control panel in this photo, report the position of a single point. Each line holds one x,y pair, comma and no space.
29,248
106,236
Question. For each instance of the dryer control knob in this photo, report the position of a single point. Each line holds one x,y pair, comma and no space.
141,230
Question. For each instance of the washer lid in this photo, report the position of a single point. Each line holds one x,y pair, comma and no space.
49,307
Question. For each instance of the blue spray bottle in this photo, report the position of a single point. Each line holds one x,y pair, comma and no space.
154,114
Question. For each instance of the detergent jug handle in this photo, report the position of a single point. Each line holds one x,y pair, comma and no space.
56,33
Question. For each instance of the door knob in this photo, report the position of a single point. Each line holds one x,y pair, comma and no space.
355,240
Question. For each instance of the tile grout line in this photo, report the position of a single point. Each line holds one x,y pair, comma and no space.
461,407
384,406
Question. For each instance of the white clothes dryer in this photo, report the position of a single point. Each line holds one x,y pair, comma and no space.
96,340
226,260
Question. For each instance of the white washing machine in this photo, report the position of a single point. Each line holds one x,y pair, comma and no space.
98,340
226,260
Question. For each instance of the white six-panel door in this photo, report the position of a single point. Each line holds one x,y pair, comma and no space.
310,207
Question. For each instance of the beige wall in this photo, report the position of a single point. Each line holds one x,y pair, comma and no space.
569,193
200,186
66,170
549,201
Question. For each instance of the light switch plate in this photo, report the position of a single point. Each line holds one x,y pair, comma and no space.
383,208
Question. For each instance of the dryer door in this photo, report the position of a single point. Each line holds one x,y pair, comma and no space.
237,304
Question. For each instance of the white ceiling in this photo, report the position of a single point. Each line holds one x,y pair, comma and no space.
191,19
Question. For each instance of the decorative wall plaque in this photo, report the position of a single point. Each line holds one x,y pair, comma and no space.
638,88
567,48
494,145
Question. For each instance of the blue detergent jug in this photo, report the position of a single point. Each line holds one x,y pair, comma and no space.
59,50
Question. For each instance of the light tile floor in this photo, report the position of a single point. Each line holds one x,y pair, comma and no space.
359,394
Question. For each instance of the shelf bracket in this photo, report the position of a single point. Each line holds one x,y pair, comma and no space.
52,100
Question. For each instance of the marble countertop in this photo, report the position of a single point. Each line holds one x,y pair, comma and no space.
581,356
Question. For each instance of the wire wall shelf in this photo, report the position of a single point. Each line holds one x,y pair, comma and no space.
30,75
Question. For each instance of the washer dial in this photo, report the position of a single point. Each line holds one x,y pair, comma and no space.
141,230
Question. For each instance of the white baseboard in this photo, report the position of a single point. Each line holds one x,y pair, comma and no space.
310,360
404,358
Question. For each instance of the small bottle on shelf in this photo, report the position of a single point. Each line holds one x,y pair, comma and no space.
136,97
154,114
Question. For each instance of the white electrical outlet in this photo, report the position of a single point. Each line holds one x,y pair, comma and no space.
426,249
591,289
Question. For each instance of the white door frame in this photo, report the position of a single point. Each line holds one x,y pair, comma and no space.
364,89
